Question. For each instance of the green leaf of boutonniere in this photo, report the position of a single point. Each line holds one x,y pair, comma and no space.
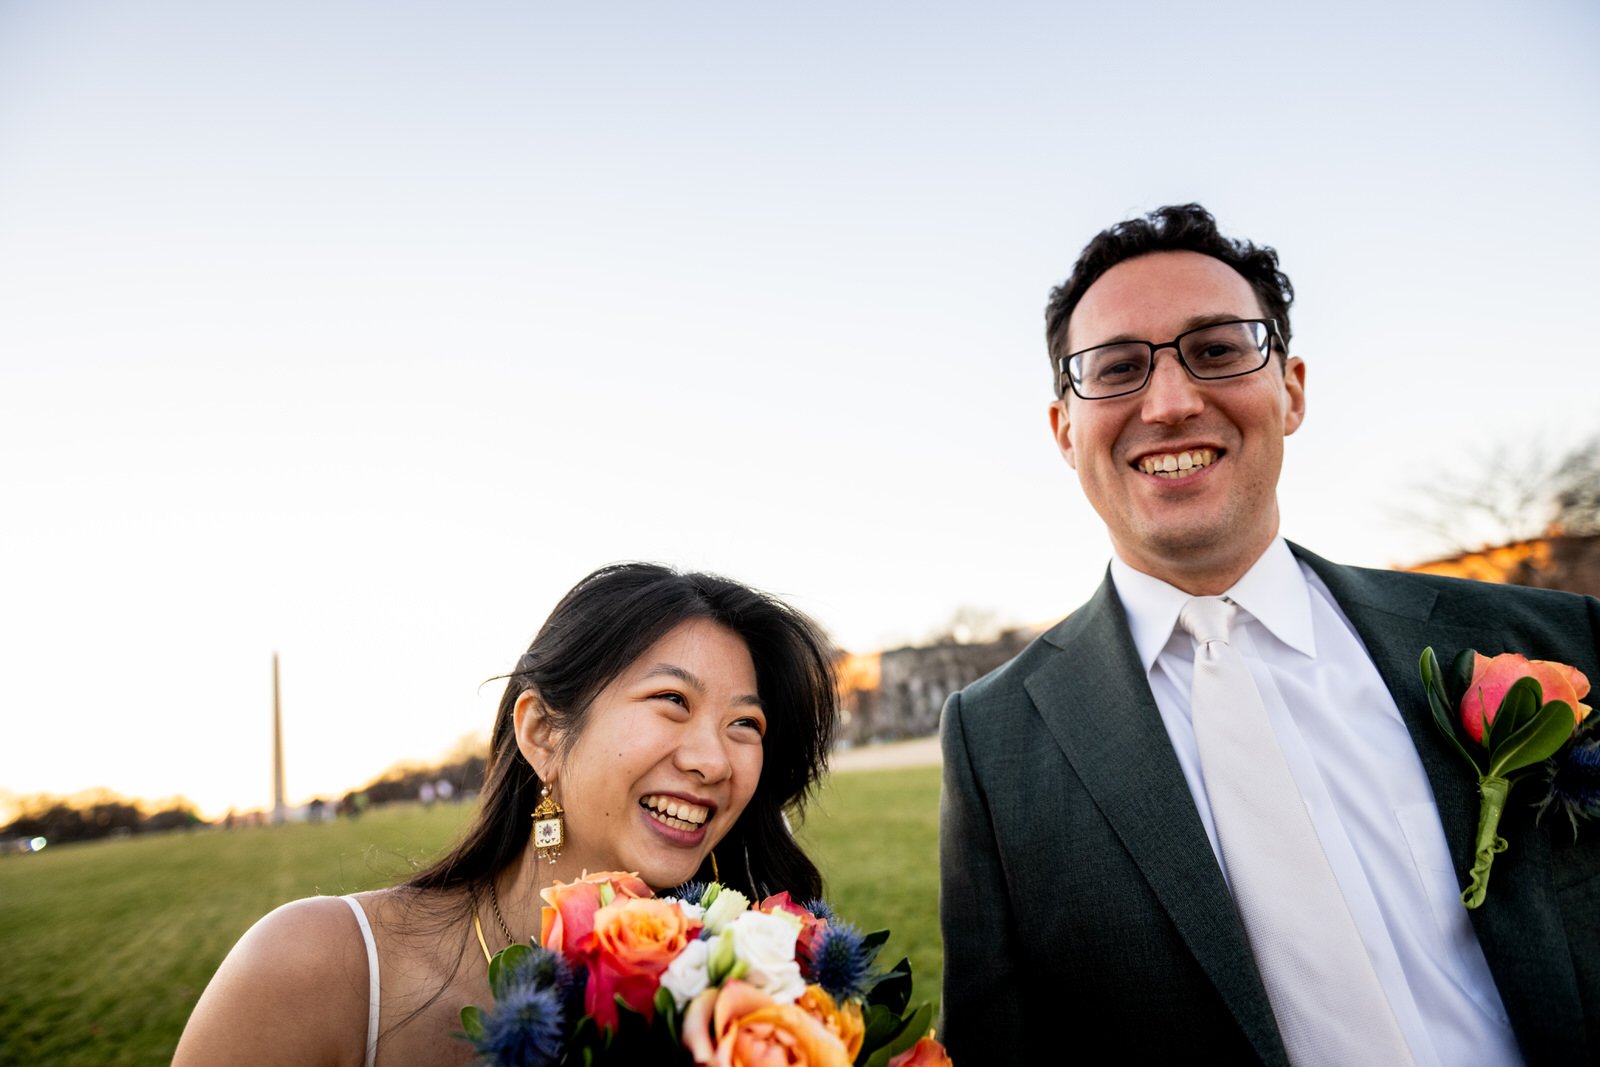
1536,741
1441,704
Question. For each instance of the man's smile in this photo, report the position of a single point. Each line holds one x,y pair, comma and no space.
1177,464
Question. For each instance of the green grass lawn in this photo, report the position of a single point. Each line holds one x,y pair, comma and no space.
106,946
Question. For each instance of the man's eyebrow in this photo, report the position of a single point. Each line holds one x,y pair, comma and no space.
690,679
1193,322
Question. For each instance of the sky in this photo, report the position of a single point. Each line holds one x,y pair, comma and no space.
359,332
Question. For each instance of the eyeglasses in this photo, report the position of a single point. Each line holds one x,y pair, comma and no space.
1220,350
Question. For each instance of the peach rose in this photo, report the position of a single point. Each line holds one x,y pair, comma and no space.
925,1053
567,919
739,1026
634,940
843,1021
1493,676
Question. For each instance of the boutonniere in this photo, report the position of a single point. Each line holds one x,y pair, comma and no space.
1494,711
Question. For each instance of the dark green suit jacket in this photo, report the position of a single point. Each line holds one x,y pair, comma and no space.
1079,893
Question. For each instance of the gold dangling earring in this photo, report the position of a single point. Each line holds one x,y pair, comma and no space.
715,877
549,827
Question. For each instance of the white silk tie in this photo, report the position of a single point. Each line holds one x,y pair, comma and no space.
1330,1006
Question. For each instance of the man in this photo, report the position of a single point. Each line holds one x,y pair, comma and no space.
1110,866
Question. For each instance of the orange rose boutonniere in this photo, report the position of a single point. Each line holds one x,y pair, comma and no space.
1512,718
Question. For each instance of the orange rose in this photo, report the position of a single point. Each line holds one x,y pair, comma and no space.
925,1053
567,920
1493,676
739,1026
633,941
843,1021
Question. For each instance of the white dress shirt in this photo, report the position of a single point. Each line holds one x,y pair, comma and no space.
1363,785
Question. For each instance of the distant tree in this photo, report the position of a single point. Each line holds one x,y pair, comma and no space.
967,625
463,768
95,814
1508,495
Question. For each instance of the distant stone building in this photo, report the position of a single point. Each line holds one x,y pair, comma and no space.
894,695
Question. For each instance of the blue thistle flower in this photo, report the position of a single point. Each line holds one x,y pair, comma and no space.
545,969
819,907
525,1028
1575,777
690,891
842,963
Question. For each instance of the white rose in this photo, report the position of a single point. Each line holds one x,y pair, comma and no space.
685,977
693,912
765,944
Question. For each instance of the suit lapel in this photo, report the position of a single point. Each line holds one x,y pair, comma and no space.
1519,926
1095,699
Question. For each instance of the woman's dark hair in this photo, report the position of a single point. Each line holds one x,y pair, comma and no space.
1180,228
603,625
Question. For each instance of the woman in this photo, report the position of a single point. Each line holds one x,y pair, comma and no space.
660,723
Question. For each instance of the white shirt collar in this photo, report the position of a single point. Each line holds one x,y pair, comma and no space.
1273,591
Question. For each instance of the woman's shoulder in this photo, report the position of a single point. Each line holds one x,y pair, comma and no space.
293,990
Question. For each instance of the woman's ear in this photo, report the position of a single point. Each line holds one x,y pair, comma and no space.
536,734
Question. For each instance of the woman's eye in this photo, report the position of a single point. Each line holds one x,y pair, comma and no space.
752,723
675,698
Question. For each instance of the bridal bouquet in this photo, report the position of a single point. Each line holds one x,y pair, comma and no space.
703,977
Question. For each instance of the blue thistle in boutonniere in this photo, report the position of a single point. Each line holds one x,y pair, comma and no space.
1494,711
1574,777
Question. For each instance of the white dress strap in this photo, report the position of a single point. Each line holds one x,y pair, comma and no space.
372,978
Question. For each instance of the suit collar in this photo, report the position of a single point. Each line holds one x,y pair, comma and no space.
1273,592
1111,734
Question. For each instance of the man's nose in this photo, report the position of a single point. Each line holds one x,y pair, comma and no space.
1172,395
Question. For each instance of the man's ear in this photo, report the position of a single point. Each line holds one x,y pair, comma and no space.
536,734
1060,427
1294,384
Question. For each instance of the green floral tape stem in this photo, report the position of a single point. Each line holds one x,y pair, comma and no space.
1493,792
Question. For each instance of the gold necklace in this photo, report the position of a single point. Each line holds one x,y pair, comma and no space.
494,902
477,924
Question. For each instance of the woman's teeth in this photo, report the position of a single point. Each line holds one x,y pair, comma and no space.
1178,464
678,814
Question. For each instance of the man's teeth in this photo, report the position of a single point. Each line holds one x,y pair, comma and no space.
1178,464
678,814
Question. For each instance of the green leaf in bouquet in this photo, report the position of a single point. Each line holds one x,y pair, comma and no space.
892,990
472,1022
1537,741
504,965
912,1027
874,941
667,1008
1433,684
880,1026
1517,709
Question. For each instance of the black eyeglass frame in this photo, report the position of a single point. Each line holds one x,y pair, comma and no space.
1273,339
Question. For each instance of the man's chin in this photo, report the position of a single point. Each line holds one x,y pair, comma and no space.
1177,553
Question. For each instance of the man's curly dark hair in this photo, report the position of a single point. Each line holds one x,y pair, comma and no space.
1175,228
